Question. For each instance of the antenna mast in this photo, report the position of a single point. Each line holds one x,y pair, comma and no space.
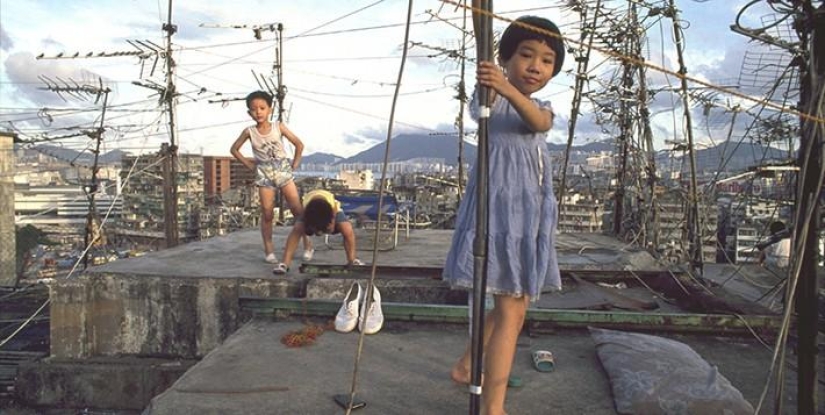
694,227
582,61
169,151
808,221
462,100
93,232
280,94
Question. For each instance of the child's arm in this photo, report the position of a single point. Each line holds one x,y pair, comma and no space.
536,118
345,228
236,150
299,145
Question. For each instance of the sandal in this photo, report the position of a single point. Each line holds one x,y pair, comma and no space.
280,269
543,361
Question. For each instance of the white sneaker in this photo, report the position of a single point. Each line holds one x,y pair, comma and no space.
374,319
280,269
308,254
271,258
347,316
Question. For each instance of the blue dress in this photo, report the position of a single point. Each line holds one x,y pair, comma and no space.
522,211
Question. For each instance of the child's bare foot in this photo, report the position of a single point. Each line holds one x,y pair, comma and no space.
460,374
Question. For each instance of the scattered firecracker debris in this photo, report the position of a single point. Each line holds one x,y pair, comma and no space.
302,337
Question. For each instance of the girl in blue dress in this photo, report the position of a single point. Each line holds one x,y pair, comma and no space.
522,208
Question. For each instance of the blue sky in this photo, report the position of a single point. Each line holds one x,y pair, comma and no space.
341,60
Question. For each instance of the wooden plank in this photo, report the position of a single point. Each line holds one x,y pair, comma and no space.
536,318
401,272
615,298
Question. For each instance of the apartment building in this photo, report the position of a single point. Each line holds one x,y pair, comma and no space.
143,203
221,174
580,213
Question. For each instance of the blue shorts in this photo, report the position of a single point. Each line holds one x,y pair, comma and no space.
339,218
274,173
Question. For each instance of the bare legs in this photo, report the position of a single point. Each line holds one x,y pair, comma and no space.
292,242
460,372
501,329
290,192
500,351
267,199
345,228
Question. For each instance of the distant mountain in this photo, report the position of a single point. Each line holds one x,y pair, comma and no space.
731,156
85,158
737,156
594,147
321,158
410,146
112,157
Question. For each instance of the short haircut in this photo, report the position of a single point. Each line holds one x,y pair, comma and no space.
515,34
776,227
259,95
317,216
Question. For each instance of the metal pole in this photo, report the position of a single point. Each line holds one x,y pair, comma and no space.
482,23
583,61
280,94
625,133
694,230
91,216
807,233
649,220
626,97
170,185
462,100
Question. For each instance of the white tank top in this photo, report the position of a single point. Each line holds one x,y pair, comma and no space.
267,147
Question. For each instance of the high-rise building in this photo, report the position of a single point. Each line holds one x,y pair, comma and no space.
221,173
8,272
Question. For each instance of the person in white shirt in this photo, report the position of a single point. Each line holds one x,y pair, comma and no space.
777,255
273,168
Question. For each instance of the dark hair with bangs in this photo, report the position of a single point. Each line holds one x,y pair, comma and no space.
515,34
317,216
259,95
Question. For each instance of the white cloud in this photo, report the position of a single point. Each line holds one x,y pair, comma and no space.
5,41
340,76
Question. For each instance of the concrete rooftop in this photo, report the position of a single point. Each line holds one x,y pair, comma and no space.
404,368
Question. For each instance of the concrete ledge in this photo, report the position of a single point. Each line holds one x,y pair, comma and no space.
102,314
414,291
538,319
123,383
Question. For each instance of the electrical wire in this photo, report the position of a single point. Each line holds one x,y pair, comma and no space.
658,68
368,298
420,92
86,250
806,218
366,114
337,19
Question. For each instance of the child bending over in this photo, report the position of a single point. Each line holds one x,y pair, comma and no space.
322,215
